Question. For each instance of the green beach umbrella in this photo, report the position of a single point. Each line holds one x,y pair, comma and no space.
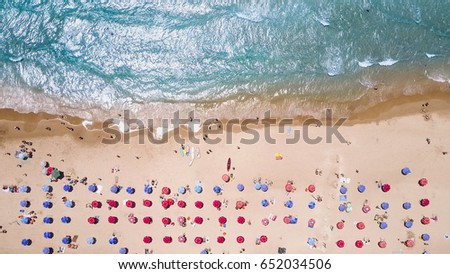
56,173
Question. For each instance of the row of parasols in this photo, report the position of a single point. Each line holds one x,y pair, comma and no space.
347,207
383,244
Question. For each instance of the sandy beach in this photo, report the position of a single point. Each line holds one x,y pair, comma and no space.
412,132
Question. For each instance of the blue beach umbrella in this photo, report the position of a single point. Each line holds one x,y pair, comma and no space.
361,188
257,185
217,189
264,187
69,204
47,188
115,189
408,224
25,220
342,207
25,189
68,188
204,251
293,220
343,190
65,219
24,203
383,225
425,237
26,242
289,204
113,240
48,220
406,171
384,205
148,189
182,190
47,204
406,205
91,240
47,250
311,241
66,240
123,250
198,189
240,187
130,190
264,203
48,235
312,205
92,188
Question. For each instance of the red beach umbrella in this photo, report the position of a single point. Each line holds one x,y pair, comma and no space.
265,222
240,219
181,204
226,178
240,204
366,208
217,204
360,225
147,239
288,187
221,239
199,204
222,220
113,203
340,244
112,219
92,220
165,190
132,219
181,220
147,220
166,221
423,182
96,204
409,243
382,244
424,202
130,204
147,203
182,239
167,239
287,220
311,188
165,204
263,238
385,187
198,220
425,220
170,201
198,240
240,239
359,244
340,225
311,222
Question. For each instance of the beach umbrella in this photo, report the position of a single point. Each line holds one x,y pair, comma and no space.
92,188
383,225
47,188
198,240
68,188
257,185
385,187
182,239
181,204
25,189
198,189
293,220
340,225
425,237
96,204
221,239
24,203
343,190
65,219
240,239
263,239
112,203
91,240
147,239
311,241
113,240
167,239
311,223
409,243
45,171
217,204
92,220
361,188
48,235
132,219
222,220
115,189
147,203
382,244
165,204
69,204
240,204
47,204
406,171
311,188
26,242
264,203
264,187
366,208
265,221
165,190
130,204
425,220
241,219
198,204
342,207
182,190
424,202
170,201
66,240
288,187
23,156
166,221
423,182
113,219
48,220
408,223
182,220
44,164
289,204
312,205
148,189
406,205
47,250
385,205
287,220
147,220
131,190
198,220
359,244
226,178
360,225
217,189
56,174
240,187
123,250
340,243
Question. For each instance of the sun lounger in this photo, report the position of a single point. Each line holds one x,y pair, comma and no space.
99,189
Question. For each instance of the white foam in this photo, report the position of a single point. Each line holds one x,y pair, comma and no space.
86,123
365,64
438,77
252,16
430,55
388,62
323,21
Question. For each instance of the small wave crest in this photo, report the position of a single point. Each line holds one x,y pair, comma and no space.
365,64
388,62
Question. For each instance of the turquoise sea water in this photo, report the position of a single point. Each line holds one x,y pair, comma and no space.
95,58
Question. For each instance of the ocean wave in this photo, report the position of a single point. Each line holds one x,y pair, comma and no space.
438,77
430,55
388,62
365,64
